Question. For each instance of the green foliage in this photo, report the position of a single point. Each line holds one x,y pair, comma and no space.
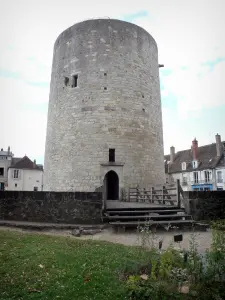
139,289
215,258
173,277
34,266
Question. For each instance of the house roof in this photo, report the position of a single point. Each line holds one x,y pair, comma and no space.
25,163
15,160
207,158
5,153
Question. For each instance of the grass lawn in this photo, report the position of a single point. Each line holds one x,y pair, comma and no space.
34,266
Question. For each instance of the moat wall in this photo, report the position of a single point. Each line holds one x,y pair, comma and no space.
51,207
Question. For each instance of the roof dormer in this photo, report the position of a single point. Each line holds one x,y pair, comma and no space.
194,164
183,166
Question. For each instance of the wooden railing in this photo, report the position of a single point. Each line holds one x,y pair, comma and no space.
166,194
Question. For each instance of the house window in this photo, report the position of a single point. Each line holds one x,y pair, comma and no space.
111,155
219,177
195,177
194,164
35,188
74,81
15,184
207,176
16,174
183,166
1,171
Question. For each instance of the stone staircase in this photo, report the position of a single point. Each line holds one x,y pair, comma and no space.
165,217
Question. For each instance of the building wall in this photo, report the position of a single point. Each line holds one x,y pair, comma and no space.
201,179
70,208
26,181
116,105
205,206
5,162
220,185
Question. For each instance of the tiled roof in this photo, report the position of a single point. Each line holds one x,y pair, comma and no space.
25,163
5,153
15,160
207,159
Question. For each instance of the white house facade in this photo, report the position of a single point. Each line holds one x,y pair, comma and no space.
199,168
5,162
25,175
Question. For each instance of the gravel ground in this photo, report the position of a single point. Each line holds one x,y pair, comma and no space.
131,238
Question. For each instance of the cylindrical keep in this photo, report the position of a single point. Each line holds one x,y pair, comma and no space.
104,94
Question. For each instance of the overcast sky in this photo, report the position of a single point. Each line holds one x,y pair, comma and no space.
191,42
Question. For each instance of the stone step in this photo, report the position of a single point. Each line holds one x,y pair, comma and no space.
132,212
144,208
136,223
150,217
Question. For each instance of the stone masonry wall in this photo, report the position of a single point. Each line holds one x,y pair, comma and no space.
115,105
54,207
208,205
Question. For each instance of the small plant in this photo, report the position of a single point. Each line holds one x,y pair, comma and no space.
215,257
147,236
179,274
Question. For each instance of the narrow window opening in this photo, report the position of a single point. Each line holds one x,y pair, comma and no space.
66,81
74,81
195,177
111,155
16,174
15,184
1,171
207,176
105,88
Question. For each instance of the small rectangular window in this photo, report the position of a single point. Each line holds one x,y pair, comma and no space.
15,184
1,171
219,177
35,189
16,174
195,177
207,176
111,155
74,81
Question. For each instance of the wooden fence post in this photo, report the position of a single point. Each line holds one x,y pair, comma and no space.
163,198
178,194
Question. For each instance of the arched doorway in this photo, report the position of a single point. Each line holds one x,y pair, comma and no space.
111,182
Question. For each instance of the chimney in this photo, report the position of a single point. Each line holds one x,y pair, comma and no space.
35,162
195,149
9,150
172,154
218,145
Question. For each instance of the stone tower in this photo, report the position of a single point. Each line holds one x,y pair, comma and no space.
104,115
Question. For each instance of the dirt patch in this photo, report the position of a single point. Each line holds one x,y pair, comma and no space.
203,239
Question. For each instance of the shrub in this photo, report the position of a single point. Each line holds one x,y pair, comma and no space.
175,274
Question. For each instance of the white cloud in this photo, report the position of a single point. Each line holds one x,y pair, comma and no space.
187,33
196,92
